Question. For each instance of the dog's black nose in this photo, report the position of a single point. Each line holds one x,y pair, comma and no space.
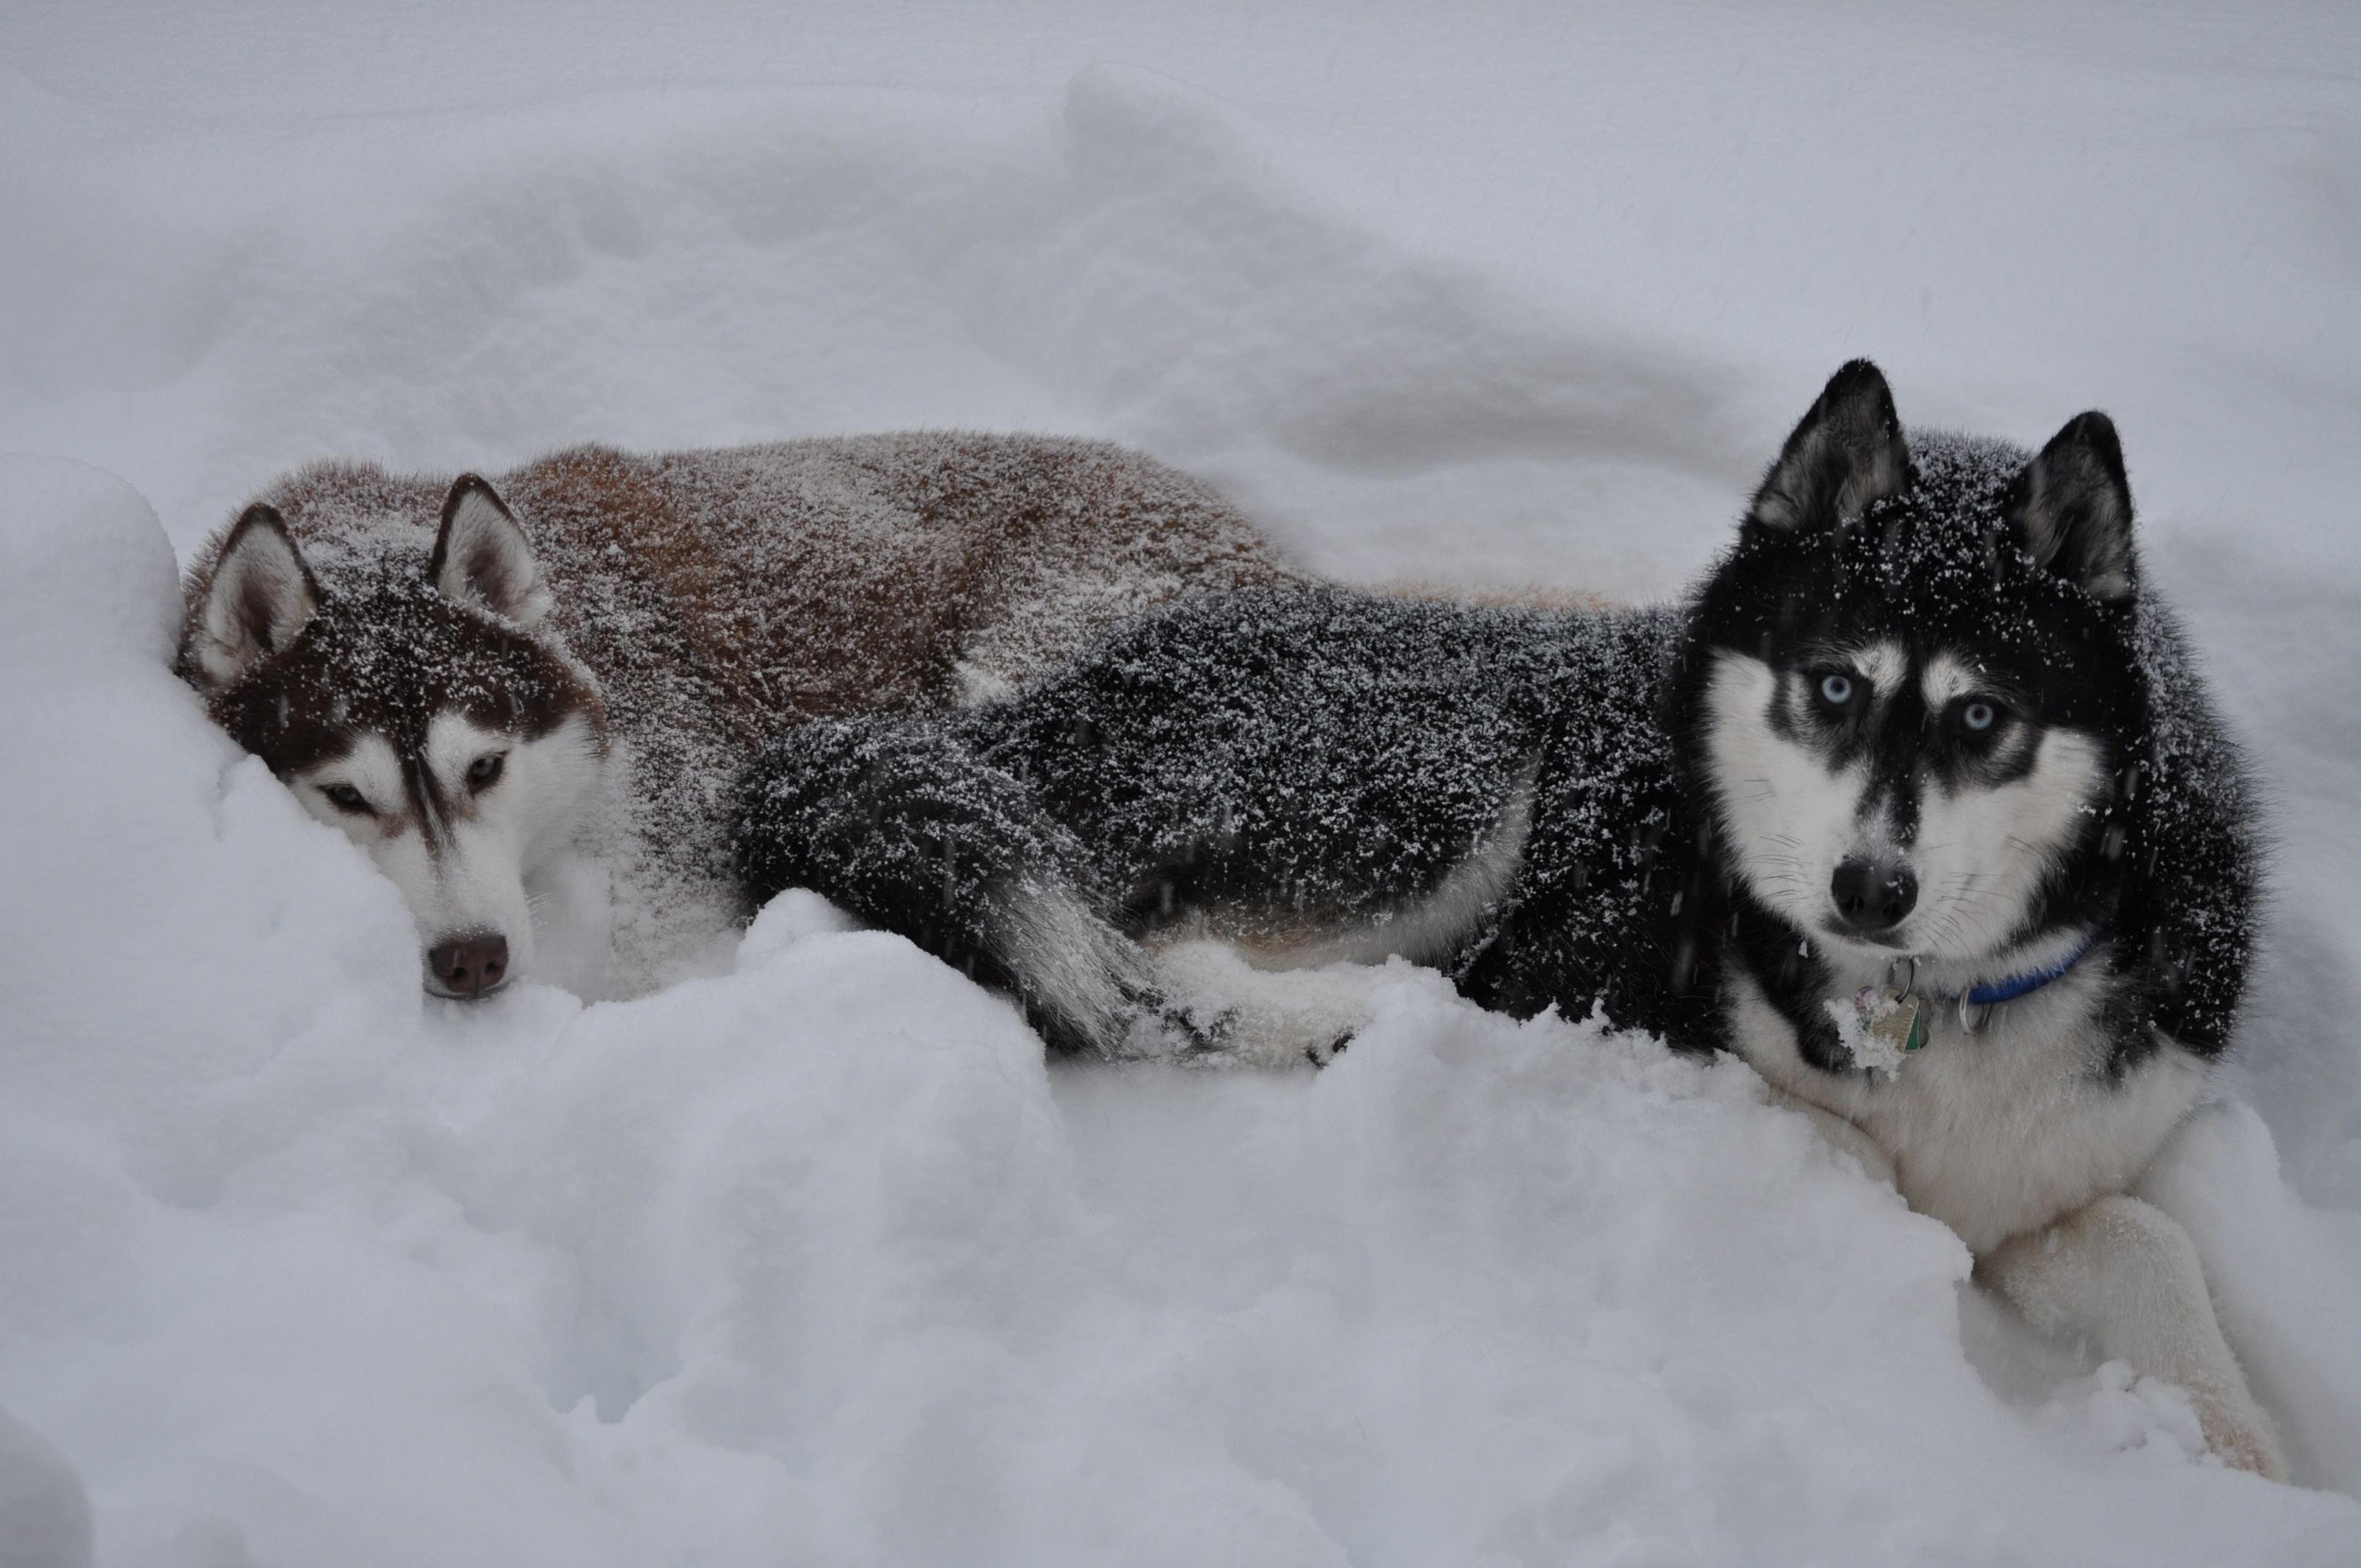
471,965
1873,895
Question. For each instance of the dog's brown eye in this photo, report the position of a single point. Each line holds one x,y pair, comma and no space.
345,797
485,770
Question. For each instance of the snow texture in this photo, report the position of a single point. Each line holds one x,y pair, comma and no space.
816,1261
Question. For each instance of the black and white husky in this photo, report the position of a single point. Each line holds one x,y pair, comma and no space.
471,682
1917,806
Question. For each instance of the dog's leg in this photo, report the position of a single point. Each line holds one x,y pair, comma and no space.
2124,1274
897,822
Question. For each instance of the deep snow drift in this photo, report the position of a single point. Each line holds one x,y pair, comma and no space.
816,1261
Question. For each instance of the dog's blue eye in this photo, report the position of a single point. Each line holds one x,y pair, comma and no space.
1837,690
1978,716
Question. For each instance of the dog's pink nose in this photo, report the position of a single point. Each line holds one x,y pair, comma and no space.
471,965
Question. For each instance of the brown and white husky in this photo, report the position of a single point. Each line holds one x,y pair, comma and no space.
473,680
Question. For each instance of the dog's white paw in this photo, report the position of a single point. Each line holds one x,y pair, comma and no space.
2236,1429
1253,1018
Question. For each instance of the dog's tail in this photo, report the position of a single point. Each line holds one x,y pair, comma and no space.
895,821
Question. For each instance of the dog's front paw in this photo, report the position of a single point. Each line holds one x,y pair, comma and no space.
1166,1029
1250,1017
2236,1429
2122,1272
1322,1055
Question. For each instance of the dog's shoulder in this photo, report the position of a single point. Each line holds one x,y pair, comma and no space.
2199,840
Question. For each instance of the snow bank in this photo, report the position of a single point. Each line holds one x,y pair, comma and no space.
714,267
816,1261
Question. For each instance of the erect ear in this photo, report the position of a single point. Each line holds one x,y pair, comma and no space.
261,596
2071,509
1847,452
481,557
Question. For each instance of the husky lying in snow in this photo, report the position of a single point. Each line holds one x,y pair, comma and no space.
467,691
1917,807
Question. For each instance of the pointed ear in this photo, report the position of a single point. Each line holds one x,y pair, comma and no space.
259,596
1847,452
481,556
2072,510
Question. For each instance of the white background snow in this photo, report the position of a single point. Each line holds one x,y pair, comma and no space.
817,1262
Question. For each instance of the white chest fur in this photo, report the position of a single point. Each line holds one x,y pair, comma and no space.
1998,1132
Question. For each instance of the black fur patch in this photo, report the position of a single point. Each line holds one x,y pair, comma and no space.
913,833
1311,756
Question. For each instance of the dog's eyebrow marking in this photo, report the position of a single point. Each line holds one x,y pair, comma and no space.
369,765
453,742
1883,665
1946,679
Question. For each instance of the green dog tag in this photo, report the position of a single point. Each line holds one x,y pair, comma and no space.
1897,1020
1880,1026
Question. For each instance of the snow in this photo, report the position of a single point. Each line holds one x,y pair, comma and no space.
816,1261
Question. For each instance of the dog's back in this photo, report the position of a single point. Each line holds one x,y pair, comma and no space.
736,590
1313,775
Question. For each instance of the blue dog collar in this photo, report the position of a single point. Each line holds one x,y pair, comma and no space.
2025,984
1977,1001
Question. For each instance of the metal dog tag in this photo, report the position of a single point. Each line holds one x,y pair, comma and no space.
1880,1026
1894,1018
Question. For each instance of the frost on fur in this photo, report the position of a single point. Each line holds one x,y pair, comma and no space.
1207,774
905,827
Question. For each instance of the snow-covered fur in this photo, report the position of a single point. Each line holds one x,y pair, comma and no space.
473,679
1921,725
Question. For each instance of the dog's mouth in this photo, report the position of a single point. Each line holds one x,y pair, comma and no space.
1879,941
